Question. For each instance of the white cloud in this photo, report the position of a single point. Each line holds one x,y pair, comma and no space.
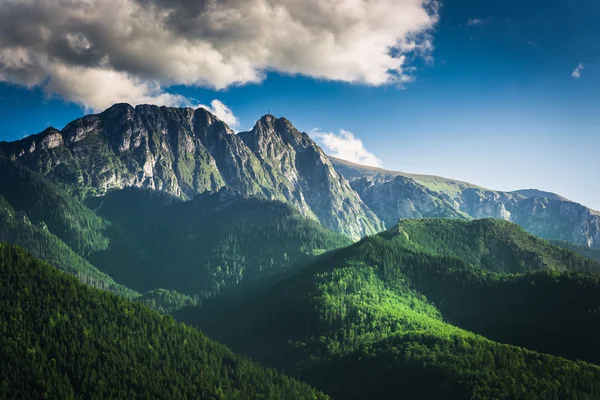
223,112
475,22
346,146
97,52
577,73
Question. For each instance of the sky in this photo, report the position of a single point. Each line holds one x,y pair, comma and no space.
501,94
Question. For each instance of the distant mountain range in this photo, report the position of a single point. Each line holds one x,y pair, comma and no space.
185,152
395,195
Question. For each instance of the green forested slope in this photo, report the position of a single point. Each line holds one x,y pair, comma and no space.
16,228
203,246
42,218
43,201
494,245
381,309
592,254
61,339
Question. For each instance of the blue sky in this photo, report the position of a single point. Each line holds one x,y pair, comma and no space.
495,102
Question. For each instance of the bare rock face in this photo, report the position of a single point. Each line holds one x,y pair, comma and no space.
399,197
185,152
558,220
481,203
304,176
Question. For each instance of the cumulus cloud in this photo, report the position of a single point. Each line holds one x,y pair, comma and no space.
223,112
346,146
577,72
97,52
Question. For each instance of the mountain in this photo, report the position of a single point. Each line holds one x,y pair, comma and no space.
202,246
61,339
410,313
185,152
154,247
540,193
395,195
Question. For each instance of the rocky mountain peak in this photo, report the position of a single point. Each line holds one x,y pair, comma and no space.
185,152
270,127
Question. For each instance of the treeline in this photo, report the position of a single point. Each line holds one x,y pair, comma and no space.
61,339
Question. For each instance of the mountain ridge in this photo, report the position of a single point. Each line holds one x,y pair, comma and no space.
186,152
395,195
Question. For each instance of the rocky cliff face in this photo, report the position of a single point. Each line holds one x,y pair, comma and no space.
304,175
186,152
394,195
400,197
558,220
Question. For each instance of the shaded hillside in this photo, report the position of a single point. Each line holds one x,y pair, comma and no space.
61,339
42,218
44,202
203,246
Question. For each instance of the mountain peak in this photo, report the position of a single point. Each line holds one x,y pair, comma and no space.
268,118
185,152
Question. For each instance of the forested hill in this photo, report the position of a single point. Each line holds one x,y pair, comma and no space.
592,254
495,245
61,339
203,246
42,218
388,317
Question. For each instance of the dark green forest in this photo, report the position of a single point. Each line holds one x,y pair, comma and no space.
390,306
61,339
203,246
40,217
592,254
